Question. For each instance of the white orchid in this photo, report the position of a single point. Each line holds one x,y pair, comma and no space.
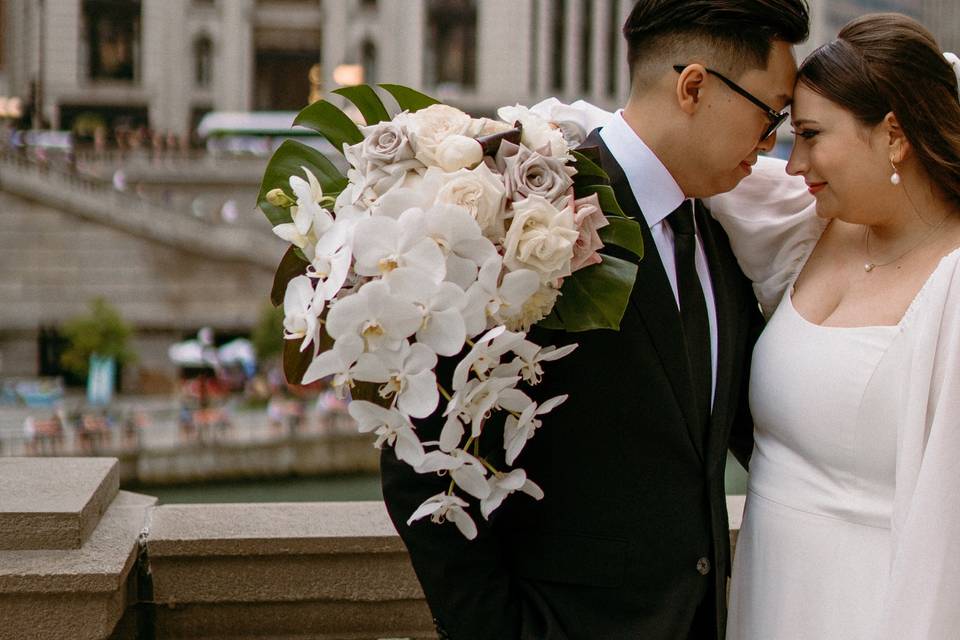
381,318
332,255
473,403
338,362
466,471
302,307
443,507
308,212
530,355
485,354
503,484
391,427
516,431
459,237
408,376
488,296
382,244
442,328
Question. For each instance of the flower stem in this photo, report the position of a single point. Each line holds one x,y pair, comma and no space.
444,392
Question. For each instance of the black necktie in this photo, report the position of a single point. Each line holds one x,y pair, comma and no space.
693,307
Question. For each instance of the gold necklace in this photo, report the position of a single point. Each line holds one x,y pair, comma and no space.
870,265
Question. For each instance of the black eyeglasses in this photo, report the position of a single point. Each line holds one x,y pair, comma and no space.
775,117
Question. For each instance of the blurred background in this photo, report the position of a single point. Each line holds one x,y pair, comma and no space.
134,266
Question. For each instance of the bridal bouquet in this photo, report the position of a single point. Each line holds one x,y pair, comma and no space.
450,236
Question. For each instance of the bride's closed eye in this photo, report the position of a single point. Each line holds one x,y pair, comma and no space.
806,134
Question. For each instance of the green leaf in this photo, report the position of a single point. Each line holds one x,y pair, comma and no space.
287,161
408,99
295,362
587,167
625,233
330,122
367,101
595,297
291,266
608,199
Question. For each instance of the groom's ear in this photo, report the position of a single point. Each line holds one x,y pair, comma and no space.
897,142
688,87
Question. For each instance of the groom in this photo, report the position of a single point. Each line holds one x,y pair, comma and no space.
631,540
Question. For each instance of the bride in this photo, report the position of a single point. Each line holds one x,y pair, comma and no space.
852,522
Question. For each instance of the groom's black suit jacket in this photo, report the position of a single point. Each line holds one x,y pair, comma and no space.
634,498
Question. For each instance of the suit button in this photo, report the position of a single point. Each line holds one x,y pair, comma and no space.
703,566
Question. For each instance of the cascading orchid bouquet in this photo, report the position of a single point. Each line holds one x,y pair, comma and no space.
448,234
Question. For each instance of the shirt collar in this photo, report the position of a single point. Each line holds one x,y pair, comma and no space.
657,193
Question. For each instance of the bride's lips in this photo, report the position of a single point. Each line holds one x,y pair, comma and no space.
815,187
747,167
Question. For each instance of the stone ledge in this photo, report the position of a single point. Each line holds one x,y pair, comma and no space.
272,529
53,503
101,565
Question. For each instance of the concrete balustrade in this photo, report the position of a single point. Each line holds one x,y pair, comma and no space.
80,559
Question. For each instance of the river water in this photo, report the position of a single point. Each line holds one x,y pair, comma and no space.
320,489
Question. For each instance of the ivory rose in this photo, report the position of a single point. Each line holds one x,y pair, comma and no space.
541,238
480,192
527,173
429,127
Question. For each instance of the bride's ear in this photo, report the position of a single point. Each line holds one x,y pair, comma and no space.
897,142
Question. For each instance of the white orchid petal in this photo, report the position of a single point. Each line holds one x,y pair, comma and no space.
451,434
445,332
532,489
421,396
429,507
370,368
471,479
408,447
463,521
460,271
438,461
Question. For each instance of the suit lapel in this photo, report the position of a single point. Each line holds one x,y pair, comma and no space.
653,299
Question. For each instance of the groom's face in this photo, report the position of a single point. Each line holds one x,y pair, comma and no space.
733,125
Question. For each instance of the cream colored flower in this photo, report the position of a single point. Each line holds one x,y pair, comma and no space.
536,308
429,127
480,191
541,237
458,152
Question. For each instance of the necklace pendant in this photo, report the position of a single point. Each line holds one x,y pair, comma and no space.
869,267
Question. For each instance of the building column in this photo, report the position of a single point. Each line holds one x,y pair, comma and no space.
599,56
545,10
233,79
573,50
335,34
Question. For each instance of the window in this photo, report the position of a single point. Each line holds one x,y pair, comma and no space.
451,45
112,38
203,61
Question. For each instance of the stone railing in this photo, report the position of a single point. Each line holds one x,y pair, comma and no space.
97,201
81,559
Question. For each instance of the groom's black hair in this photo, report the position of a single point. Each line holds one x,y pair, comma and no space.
737,34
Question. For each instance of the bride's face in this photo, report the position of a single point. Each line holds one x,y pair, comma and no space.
844,163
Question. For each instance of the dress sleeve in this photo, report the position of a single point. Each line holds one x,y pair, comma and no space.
772,224
924,589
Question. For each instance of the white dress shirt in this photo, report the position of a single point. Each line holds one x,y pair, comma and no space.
658,194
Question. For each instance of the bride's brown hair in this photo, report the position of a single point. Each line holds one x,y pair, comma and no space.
887,62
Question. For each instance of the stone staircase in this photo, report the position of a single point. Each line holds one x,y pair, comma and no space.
97,201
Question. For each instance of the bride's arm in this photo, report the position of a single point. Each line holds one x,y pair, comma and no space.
770,218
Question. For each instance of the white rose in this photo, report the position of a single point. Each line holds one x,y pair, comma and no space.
541,237
480,192
538,133
458,152
429,127
536,308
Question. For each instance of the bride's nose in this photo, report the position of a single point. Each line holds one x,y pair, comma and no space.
797,165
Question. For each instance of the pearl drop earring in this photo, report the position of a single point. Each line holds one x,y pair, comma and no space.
895,178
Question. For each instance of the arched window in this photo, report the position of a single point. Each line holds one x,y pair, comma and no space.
203,61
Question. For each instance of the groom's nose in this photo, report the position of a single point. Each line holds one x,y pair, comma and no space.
767,144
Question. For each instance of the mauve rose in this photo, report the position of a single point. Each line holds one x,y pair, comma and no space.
385,143
529,173
588,216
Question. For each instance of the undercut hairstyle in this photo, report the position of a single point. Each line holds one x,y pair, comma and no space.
886,62
734,36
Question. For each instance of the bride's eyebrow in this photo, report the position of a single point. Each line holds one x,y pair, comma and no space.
802,123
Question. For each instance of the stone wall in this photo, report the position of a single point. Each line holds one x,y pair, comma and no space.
81,560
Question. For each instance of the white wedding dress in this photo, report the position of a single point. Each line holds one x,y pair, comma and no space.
852,522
